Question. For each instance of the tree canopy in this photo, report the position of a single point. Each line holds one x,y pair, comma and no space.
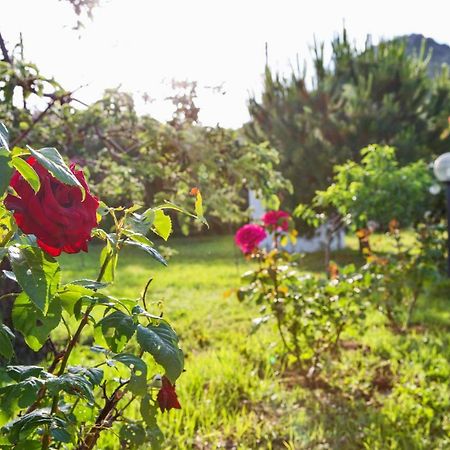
381,94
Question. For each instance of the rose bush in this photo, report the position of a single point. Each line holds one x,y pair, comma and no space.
310,313
129,345
57,214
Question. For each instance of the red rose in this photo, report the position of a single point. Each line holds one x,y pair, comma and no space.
276,220
248,237
55,214
167,397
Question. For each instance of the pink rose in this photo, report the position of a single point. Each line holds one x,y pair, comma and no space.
248,237
276,220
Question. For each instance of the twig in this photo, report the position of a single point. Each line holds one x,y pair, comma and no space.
144,294
5,53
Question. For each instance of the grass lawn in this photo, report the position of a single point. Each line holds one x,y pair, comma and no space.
391,391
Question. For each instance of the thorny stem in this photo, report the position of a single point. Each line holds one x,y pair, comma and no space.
104,419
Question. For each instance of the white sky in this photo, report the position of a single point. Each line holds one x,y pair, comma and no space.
143,44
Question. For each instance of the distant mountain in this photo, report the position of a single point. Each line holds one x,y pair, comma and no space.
440,52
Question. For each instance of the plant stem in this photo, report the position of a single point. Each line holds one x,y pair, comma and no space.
66,355
104,419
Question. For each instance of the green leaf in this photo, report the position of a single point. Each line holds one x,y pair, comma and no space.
132,435
7,228
22,393
72,384
21,373
4,136
111,259
161,342
70,295
6,170
137,237
51,159
32,323
23,426
150,250
6,339
141,223
94,374
89,284
148,412
61,435
138,382
28,173
162,225
37,273
117,329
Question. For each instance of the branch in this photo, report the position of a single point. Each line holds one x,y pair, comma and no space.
104,419
37,119
5,53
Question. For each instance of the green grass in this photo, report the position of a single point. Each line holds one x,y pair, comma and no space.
233,393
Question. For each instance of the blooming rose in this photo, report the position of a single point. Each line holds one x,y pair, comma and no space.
276,220
249,236
167,397
55,214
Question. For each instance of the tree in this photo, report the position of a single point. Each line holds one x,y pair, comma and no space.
378,95
132,158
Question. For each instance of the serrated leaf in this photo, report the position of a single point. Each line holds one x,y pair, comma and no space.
21,427
72,384
94,374
28,173
137,237
150,250
23,392
6,339
51,159
117,329
141,223
20,373
37,273
161,342
32,323
162,225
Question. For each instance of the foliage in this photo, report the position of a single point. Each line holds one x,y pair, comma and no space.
378,94
46,404
401,277
234,392
134,158
378,189
311,313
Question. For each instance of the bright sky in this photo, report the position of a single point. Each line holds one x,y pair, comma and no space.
143,44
